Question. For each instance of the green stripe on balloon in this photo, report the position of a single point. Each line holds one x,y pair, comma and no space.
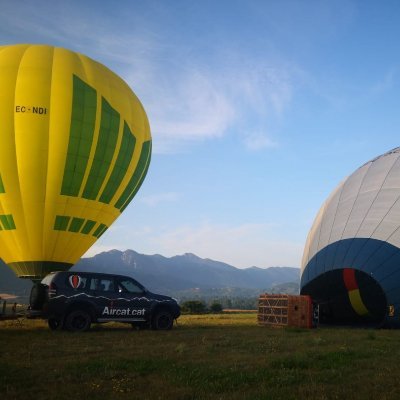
61,223
2,190
100,230
76,224
133,194
121,165
7,221
137,177
87,228
83,118
107,140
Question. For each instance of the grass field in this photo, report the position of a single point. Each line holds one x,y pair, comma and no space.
225,356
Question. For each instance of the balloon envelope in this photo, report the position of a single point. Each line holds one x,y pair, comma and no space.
75,148
352,254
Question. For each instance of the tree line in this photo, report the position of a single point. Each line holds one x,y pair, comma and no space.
200,306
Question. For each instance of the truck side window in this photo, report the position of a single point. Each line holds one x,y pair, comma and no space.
127,286
102,285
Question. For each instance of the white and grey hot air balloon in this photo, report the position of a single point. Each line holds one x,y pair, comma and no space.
351,261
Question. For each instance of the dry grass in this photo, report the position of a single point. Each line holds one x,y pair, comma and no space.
226,356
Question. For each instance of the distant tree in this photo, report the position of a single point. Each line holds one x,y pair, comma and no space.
228,303
193,307
216,307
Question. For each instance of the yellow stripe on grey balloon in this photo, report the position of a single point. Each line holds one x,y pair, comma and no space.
357,302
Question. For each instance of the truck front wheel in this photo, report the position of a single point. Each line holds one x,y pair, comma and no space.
162,320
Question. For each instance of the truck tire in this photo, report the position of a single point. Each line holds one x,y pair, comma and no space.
78,321
162,320
37,297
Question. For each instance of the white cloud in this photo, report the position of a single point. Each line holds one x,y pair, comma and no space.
199,104
386,83
257,141
155,199
266,87
190,106
187,100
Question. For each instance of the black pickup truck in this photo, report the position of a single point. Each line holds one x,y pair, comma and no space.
74,300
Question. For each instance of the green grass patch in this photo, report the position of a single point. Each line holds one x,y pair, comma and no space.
214,356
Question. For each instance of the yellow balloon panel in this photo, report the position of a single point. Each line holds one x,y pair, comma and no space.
76,147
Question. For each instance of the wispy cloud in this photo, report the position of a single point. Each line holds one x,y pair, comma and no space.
155,199
386,83
258,141
187,100
200,103
191,106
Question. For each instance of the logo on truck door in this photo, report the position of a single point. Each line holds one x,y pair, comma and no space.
75,281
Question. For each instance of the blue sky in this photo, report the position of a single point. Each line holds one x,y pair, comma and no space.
258,109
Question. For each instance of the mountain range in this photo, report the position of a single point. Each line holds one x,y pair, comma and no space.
178,275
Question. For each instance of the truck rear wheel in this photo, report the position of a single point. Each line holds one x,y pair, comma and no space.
78,321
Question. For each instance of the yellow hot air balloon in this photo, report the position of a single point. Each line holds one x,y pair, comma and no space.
75,148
